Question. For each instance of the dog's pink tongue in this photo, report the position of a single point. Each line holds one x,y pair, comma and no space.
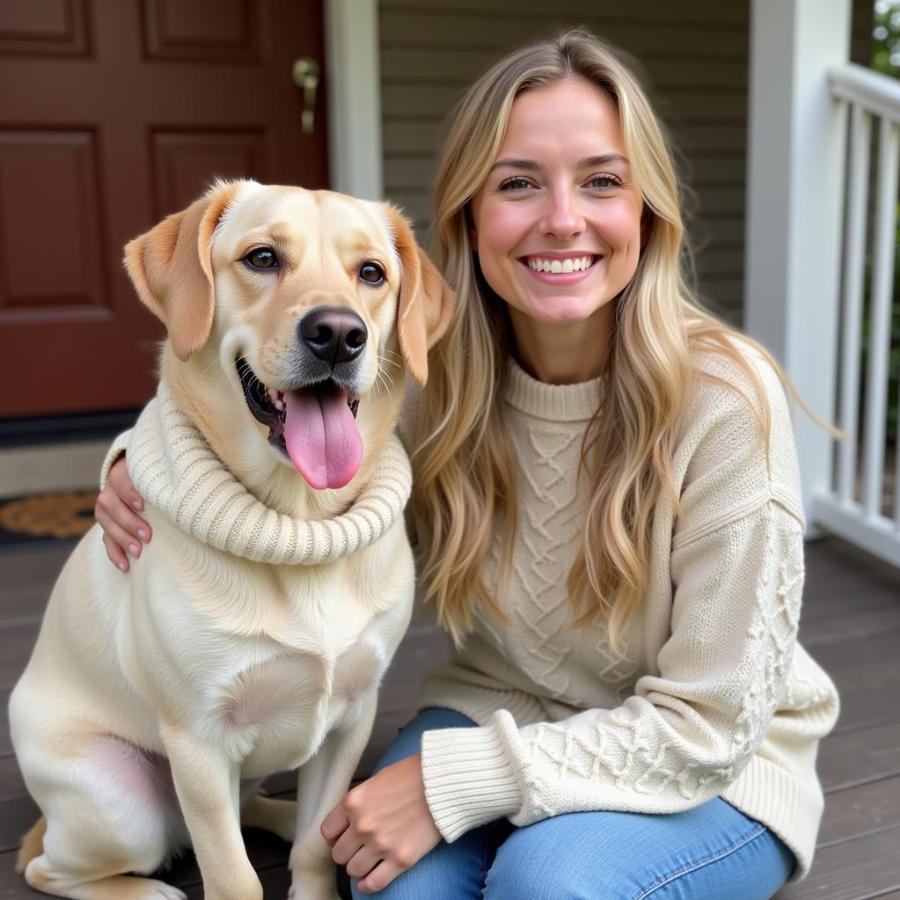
321,436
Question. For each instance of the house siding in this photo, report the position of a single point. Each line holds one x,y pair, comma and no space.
692,56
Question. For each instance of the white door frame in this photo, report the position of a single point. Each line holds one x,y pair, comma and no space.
353,75
795,178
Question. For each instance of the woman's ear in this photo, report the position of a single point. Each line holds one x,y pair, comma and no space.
171,269
425,302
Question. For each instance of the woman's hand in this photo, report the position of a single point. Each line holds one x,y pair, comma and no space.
123,531
383,826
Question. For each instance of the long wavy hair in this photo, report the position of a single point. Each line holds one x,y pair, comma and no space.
465,492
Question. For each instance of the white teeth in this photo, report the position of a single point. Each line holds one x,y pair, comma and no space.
276,399
560,266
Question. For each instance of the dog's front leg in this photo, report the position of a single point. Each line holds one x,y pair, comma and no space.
208,785
322,783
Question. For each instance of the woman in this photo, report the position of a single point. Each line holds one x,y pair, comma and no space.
608,511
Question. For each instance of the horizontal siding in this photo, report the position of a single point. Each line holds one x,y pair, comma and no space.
692,56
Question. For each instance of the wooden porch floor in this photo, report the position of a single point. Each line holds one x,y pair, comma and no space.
850,624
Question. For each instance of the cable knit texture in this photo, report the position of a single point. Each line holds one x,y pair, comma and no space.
175,470
710,693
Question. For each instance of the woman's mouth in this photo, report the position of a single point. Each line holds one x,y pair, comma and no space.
560,270
557,266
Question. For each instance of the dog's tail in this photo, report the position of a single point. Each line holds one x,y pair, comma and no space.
32,844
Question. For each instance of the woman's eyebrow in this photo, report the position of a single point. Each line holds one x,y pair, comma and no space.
604,159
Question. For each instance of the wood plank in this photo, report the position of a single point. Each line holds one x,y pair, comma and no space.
498,31
861,810
688,12
16,642
461,65
16,817
860,756
12,786
5,742
12,886
851,625
865,867
867,693
850,654
838,571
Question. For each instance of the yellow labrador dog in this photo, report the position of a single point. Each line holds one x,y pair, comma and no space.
252,637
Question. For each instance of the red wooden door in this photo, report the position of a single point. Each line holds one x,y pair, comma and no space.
114,113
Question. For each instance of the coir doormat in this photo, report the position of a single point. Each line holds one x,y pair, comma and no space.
41,517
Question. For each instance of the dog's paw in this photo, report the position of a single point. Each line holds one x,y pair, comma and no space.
313,889
159,890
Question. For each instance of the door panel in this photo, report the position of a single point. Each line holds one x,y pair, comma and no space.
113,114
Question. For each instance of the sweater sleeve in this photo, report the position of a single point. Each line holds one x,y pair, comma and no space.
684,735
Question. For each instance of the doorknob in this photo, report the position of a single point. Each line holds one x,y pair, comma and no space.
306,76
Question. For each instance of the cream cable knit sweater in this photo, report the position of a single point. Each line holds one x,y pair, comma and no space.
711,694
176,471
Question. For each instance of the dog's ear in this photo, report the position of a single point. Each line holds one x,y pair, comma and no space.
426,301
171,269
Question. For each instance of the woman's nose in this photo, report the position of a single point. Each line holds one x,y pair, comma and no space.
562,217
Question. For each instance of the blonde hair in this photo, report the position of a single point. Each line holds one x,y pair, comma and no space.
464,483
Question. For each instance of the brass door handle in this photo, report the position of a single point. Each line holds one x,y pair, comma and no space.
306,76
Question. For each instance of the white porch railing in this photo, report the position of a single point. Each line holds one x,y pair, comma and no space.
857,506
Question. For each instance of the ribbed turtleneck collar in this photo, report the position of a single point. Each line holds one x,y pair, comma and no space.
554,402
175,470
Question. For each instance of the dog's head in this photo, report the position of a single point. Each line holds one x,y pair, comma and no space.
302,299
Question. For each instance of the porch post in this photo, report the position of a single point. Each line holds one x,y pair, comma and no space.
795,195
353,79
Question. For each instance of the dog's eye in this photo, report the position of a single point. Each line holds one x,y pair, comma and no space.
371,273
262,258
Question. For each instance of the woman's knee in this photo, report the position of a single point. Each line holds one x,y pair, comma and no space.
707,852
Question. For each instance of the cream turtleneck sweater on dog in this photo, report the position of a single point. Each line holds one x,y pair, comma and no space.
710,694
175,470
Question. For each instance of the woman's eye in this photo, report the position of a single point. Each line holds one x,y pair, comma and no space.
604,181
371,273
262,258
515,183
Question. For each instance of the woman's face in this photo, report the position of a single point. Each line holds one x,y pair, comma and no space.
557,223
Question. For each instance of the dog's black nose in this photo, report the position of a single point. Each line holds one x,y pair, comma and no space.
334,334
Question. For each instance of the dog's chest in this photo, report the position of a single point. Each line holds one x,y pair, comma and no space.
266,660
319,656
275,711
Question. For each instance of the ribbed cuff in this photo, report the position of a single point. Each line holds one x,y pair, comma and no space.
118,448
788,806
468,779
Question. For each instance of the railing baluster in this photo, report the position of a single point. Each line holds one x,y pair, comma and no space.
880,320
871,96
860,146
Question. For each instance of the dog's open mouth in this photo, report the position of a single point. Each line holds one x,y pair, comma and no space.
314,426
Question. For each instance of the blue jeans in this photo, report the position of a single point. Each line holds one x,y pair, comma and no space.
711,852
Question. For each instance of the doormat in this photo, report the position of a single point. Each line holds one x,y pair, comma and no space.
59,516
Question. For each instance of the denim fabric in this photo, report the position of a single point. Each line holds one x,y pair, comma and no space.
711,852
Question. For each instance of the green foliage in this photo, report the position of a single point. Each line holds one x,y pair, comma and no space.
886,38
